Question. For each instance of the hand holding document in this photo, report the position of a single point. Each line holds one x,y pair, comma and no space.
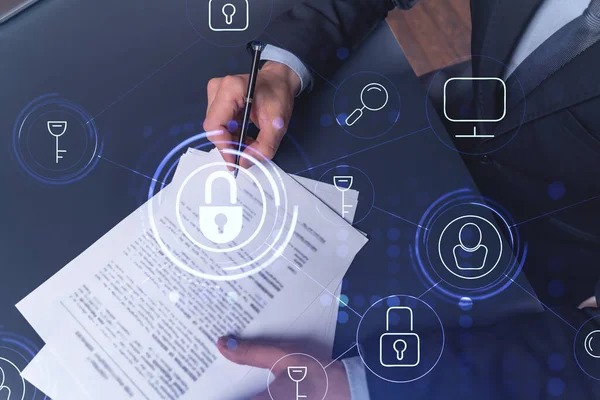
138,314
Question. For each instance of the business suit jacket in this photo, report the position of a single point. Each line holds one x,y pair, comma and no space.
558,146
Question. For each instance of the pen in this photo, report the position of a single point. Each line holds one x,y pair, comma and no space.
256,48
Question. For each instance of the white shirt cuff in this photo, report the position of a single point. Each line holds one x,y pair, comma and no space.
357,378
274,53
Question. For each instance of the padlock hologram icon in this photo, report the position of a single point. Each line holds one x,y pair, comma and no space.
220,223
228,15
399,349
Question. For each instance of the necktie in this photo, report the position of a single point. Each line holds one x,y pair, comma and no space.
565,45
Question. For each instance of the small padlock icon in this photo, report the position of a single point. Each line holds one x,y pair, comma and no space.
228,15
220,224
399,349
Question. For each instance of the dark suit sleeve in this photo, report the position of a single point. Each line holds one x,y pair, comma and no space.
529,357
315,30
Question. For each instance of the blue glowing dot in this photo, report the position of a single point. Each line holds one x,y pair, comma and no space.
341,119
556,190
465,321
343,317
374,299
556,288
359,300
326,120
393,251
343,53
232,126
343,300
393,267
232,344
175,130
147,131
555,387
393,234
465,303
393,301
188,127
393,116
556,362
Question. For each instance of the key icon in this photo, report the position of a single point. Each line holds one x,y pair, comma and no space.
57,129
343,184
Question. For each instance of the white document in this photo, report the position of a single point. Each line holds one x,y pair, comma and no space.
123,334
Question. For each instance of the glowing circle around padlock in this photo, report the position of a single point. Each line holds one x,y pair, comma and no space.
280,198
276,251
262,218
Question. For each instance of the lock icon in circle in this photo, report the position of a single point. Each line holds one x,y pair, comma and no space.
399,349
220,224
228,15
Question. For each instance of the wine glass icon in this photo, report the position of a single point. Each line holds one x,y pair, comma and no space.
298,374
57,129
343,184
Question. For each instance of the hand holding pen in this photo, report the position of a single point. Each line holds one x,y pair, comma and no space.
271,109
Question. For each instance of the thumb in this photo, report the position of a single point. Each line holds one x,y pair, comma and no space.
249,352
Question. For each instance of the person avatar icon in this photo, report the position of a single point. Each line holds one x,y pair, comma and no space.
468,257
3,388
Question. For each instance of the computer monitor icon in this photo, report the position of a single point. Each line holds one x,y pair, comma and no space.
450,87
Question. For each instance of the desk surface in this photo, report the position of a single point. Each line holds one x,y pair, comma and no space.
139,68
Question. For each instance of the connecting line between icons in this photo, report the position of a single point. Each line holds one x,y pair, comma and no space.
340,356
543,305
307,66
325,289
131,170
558,210
427,291
322,287
145,79
399,217
363,150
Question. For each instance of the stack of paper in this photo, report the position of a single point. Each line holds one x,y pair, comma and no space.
123,321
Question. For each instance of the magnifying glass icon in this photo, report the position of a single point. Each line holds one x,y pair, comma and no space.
373,97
